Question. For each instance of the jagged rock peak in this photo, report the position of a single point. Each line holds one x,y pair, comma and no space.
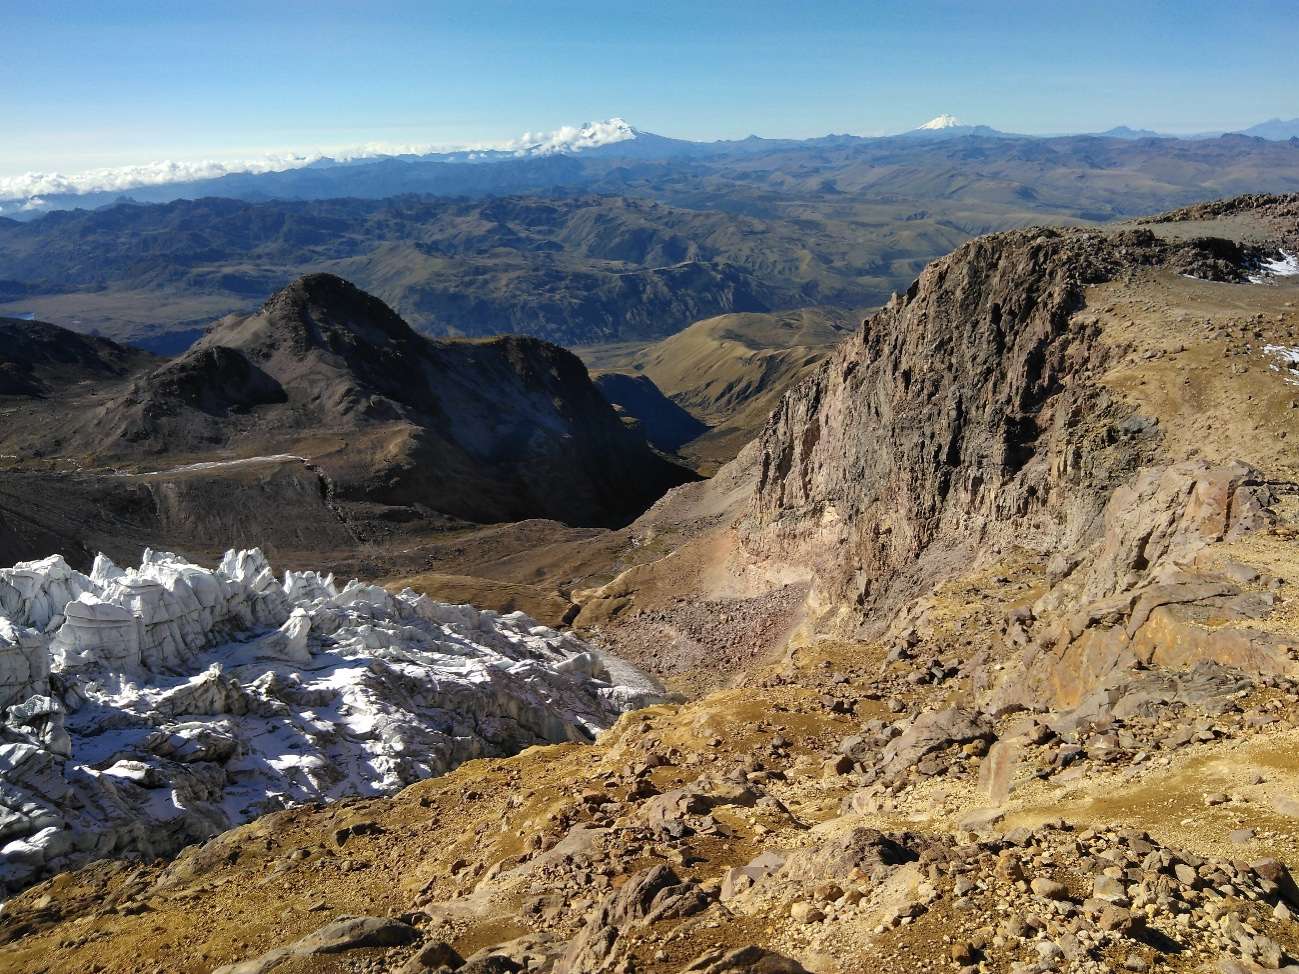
325,311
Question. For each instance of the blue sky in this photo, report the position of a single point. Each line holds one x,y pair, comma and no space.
89,84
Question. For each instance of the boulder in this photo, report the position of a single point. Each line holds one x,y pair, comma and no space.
934,730
647,897
743,960
861,848
347,933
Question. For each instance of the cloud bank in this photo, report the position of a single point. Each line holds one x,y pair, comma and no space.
26,188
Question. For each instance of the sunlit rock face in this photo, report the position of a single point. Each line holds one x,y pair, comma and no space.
147,708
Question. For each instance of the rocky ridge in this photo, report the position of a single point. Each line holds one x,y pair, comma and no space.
486,431
321,428
41,358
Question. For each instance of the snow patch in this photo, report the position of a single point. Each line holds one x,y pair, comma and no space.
1286,266
148,708
1287,360
225,464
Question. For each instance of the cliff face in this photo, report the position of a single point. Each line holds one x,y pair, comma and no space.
989,415
961,417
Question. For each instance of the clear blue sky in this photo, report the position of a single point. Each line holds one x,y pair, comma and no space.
112,82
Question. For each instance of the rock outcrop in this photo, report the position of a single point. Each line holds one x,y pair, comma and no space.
958,417
148,708
965,417
1139,594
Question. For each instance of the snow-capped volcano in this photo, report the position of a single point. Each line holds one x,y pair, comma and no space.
941,122
569,138
944,127
26,190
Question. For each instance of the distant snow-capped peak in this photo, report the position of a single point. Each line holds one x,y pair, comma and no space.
941,122
23,191
569,138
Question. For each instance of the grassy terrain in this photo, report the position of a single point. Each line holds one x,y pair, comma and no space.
729,371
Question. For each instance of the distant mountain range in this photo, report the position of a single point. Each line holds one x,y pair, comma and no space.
598,244
1274,130
524,165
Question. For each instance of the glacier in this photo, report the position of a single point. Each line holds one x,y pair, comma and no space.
145,709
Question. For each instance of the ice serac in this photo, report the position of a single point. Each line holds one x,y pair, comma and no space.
151,707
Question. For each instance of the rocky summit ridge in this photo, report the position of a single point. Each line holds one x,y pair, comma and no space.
991,648
499,429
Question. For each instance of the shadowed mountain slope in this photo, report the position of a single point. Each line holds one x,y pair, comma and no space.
664,423
321,423
37,358
728,372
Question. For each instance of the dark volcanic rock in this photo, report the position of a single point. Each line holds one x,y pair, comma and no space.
37,358
494,430
215,380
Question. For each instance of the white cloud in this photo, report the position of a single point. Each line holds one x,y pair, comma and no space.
28,187
33,184
574,139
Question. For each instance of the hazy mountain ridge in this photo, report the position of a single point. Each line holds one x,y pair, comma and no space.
668,241
525,165
575,270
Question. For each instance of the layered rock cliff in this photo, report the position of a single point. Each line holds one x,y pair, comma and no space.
980,417
961,417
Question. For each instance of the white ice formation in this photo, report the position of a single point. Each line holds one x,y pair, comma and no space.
1287,265
149,708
